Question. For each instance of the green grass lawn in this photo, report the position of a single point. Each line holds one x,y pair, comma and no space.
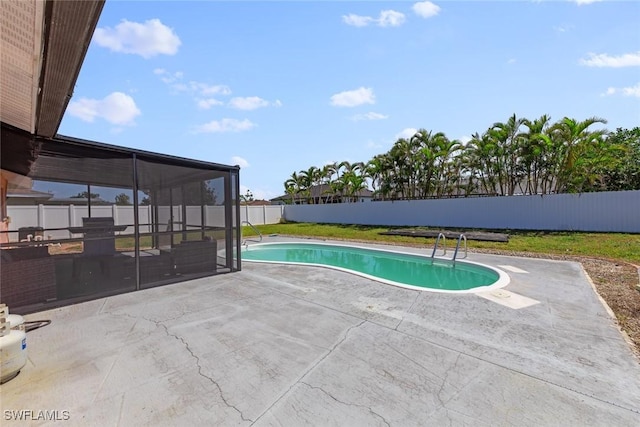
619,246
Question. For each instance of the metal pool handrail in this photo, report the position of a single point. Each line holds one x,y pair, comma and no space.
444,245
455,254
253,228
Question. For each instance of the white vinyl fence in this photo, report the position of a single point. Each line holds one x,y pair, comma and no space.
258,215
617,211
62,217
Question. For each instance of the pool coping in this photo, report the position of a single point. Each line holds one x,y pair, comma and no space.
503,278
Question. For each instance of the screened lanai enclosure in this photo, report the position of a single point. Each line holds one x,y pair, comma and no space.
86,220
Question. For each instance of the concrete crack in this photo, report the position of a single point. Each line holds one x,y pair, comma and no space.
425,368
347,403
444,380
418,293
202,374
197,359
121,410
331,350
299,380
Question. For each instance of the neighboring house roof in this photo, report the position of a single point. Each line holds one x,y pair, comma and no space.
77,201
28,195
256,203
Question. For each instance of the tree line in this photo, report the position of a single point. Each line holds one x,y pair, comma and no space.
519,156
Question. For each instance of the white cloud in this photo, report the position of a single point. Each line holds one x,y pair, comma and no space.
353,98
168,77
201,92
624,91
605,60
387,18
206,89
406,133
391,18
369,116
426,9
148,39
237,160
631,90
511,61
205,104
202,89
225,125
116,108
357,20
248,103
583,2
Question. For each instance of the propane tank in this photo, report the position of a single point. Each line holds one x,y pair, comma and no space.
13,344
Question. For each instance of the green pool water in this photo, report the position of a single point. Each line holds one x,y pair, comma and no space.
396,268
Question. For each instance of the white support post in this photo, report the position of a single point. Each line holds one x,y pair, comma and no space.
114,214
41,217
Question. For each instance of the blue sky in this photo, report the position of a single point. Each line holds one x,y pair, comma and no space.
279,86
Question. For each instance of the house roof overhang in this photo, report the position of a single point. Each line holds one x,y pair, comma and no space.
42,48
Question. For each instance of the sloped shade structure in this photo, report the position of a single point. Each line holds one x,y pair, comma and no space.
141,219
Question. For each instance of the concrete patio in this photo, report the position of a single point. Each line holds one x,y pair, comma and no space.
289,345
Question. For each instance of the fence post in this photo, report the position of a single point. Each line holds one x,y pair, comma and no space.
72,217
41,218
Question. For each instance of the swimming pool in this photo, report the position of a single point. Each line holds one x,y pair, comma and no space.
395,268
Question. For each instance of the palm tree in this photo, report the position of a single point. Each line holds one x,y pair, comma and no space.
375,170
403,168
449,168
535,153
507,138
444,164
423,158
310,179
481,155
519,154
293,186
337,189
353,183
574,137
326,176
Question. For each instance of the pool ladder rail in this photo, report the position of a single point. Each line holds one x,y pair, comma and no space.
244,241
442,237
